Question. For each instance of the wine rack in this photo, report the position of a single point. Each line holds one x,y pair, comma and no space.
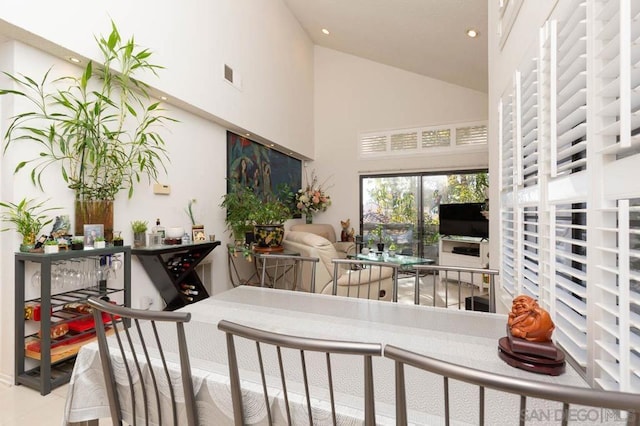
172,269
48,364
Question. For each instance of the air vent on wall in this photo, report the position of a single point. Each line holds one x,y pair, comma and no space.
232,77
228,73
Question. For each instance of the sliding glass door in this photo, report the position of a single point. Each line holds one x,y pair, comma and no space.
403,209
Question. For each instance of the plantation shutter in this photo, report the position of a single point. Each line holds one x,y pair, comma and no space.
509,254
569,153
529,120
530,252
459,138
570,250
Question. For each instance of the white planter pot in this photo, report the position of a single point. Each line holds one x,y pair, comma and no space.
365,250
50,249
99,244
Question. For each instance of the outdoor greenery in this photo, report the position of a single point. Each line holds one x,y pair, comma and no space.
467,188
394,203
390,203
81,123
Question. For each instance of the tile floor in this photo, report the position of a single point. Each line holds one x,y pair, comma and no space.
20,405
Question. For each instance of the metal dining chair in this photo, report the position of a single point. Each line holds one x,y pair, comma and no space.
265,339
366,279
526,388
461,277
287,271
135,332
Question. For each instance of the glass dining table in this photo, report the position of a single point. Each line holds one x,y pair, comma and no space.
405,262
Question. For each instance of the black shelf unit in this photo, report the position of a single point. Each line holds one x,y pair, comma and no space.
51,373
172,269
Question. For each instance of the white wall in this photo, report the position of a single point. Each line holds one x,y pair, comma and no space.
354,95
192,39
261,40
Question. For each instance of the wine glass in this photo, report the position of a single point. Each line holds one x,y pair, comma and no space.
35,279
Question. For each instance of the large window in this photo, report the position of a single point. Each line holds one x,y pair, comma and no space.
406,207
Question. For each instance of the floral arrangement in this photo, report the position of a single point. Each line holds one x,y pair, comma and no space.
313,198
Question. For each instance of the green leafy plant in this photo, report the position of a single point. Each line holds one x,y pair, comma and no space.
239,202
139,226
28,218
51,243
277,209
189,211
81,123
378,233
99,239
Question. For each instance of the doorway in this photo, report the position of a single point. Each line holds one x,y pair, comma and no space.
403,209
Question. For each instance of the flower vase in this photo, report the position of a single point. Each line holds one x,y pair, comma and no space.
308,218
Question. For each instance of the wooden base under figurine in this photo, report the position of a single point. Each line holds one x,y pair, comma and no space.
537,357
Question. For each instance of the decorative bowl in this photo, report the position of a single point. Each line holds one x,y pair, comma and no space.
175,232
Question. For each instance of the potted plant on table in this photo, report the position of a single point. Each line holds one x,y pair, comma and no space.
139,228
28,217
269,217
77,243
99,242
51,246
99,127
118,241
240,201
378,234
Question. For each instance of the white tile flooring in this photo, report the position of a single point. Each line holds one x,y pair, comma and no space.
21,405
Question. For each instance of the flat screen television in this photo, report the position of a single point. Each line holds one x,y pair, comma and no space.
463,220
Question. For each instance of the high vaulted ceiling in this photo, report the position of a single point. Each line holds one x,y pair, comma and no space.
427,37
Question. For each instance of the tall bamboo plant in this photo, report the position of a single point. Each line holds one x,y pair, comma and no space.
101,127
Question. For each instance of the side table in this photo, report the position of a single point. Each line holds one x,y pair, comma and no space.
172,269
246,269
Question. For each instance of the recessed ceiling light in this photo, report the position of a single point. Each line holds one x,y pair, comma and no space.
325,31
247,134
74,60
272,145
164,98
473,33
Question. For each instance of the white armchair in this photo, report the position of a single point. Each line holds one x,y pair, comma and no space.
327,231
312,245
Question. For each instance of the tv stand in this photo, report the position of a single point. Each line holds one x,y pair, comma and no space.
465,251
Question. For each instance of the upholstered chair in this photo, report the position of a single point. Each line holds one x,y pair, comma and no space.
312,245
327,231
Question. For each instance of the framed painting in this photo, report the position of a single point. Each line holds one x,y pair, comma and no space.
258,167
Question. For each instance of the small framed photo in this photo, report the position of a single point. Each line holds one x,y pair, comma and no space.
198,235
92,231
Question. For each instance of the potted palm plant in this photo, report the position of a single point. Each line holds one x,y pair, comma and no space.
100,128
28,217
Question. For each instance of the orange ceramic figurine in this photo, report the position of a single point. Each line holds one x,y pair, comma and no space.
529,321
